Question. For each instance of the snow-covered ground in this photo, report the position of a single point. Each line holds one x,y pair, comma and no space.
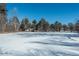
39,44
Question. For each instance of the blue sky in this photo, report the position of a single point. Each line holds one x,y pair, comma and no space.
63,12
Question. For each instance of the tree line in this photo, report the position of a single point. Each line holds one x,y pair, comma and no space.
40,26
14,25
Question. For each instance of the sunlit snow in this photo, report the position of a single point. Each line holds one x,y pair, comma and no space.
39,44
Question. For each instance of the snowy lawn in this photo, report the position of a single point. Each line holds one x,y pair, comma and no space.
39,44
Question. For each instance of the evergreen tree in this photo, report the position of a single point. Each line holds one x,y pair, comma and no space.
71,26
25,25
43,25
22,27
33,26
58,26
65,27
52,27
77,26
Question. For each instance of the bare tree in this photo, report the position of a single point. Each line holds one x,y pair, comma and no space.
3,18
15,23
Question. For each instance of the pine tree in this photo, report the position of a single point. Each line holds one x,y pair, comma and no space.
77,26
52,27
58,26
43,25
25,24
71,26
65,27
33,26
22,27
